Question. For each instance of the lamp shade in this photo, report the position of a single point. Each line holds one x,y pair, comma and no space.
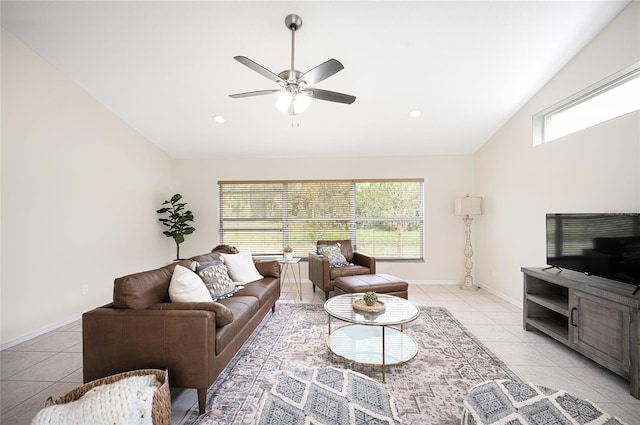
469,205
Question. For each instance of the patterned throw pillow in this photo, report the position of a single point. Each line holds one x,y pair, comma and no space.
216,279
333,253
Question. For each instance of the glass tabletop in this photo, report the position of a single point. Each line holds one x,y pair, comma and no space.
397,310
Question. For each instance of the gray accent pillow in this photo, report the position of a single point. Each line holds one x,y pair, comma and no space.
333,253
216,278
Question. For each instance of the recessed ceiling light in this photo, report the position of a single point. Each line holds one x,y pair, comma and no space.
218,118
415,113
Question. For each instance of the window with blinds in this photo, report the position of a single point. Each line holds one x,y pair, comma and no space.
383,218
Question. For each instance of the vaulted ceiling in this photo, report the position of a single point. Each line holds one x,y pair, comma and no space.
166,68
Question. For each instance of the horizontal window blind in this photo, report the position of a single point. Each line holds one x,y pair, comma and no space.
381,217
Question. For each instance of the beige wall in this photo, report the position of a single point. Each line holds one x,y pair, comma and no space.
445,177
79,194
594,170
80,189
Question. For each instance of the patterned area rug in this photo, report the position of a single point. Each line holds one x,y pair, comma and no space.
514,403
328,395
430,389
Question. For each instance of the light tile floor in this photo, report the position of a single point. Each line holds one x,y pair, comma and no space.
51,364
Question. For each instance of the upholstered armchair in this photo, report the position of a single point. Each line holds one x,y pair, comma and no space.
323,276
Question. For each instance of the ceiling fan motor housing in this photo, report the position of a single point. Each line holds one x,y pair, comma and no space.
293,22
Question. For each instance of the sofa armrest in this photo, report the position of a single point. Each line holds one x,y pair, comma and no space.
224,315
119,340
319,270
365,260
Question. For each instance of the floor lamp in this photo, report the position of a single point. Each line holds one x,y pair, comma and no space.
469,205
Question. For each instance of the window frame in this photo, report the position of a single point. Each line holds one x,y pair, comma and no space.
540,120
354,221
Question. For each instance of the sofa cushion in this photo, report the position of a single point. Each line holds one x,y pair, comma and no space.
347,271
243,308
205,258
262,289
140,290
186,286
241,267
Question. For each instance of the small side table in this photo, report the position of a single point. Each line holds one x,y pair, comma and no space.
287,268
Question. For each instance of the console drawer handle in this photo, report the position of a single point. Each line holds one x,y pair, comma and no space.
573,323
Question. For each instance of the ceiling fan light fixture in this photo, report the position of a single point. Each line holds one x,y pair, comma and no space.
293,104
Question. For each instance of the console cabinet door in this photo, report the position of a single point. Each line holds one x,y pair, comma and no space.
601,328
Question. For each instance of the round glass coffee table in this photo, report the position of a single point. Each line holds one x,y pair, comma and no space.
372,338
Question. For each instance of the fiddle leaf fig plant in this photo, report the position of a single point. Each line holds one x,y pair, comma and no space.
177,221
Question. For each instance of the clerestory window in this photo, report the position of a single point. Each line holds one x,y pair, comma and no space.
613,97
383,218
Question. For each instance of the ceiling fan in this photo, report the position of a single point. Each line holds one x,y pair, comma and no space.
295,87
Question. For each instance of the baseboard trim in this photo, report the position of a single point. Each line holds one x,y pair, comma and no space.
517,303
42,331
434,282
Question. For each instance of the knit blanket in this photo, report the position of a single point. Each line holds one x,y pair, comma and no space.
127,401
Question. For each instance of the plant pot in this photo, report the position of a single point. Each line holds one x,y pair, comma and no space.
288,256
369,302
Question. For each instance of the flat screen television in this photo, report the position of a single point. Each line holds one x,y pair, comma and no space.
605,245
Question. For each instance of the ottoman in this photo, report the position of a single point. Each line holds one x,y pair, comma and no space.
379,283
520,403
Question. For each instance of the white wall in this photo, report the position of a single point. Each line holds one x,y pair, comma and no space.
79,193
594,170
446,177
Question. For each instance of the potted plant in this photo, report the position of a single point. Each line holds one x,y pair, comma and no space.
177,222
370,298
288,253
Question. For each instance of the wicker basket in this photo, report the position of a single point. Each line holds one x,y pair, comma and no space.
161,407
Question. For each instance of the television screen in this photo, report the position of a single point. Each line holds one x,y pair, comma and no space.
605,245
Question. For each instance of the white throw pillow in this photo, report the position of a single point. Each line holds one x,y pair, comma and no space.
241,267
187,287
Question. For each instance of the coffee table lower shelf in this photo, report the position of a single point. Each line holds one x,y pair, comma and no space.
364,344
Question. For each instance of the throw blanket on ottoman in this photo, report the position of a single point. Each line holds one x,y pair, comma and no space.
505,402
328,395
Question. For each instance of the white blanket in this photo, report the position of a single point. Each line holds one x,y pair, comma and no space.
127,401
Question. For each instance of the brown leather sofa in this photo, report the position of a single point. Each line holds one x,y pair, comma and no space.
324,277
143,329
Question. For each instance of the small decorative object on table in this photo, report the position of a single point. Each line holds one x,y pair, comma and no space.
369,303
370,298
288,253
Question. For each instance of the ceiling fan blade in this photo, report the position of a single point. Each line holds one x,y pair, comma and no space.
321,72
331,96
259,69
253,93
